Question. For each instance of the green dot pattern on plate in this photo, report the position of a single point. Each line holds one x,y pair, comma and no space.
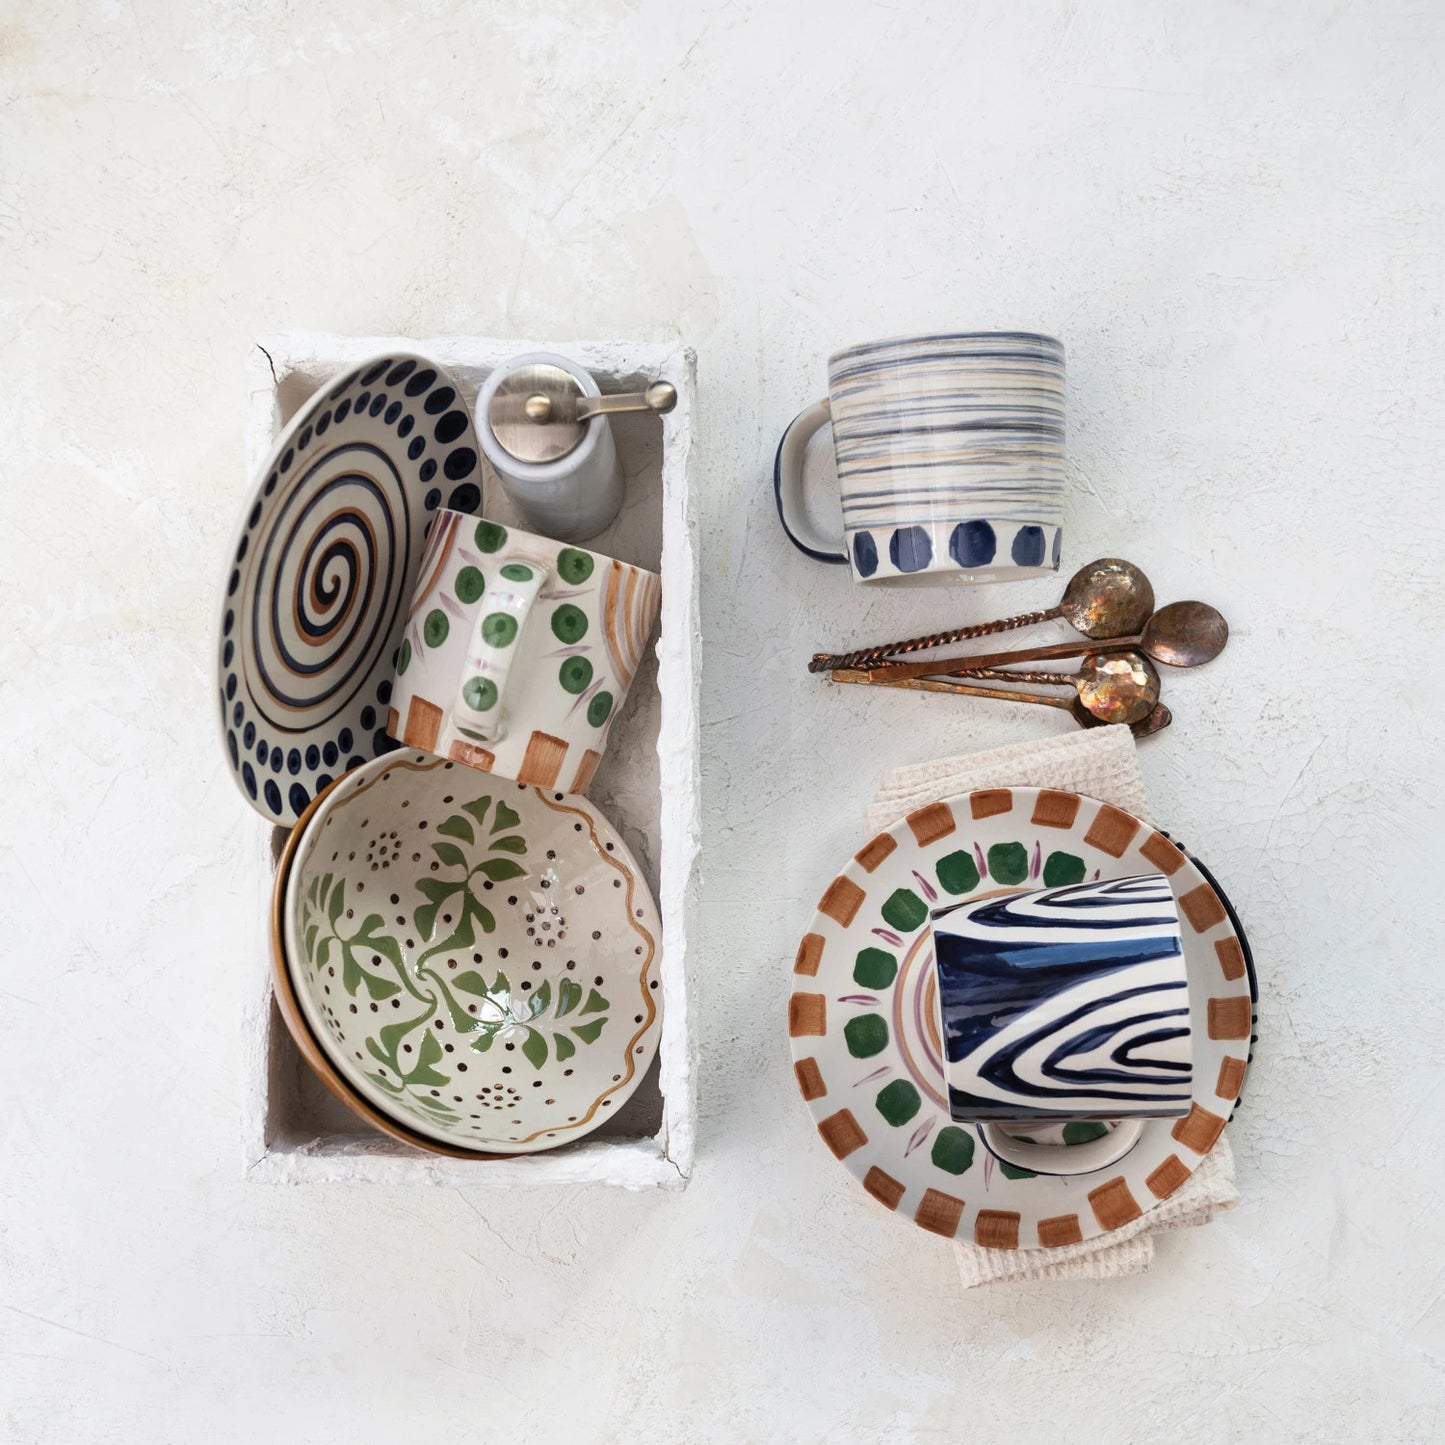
866,1035
436,627
1084,1131
1062,868
898,1102
470,584
1012,1171
489,536
599,709
479,693
574,565
574,674
569,623
905,910
1008,862
874,969
953,1149
958,873
517,572
498,629
403,658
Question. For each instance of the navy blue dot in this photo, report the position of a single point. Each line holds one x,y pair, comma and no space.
428,469
372,372
383,693
299,799
343,409
355,761
237,713
420,382
287,458
401,371
450,427
439,400
909,549
465,498
361,402
234,583
278,759
392,412
249,778
233,750
227,653
241,550
417,447
344,739
865,553
304,440
368,718
461,463
328,755
972,544
323,781
404,426
380,743
249,736
1058,545
263,751
293,761
377,402
273,797
230,686
228,624
255,515
270,484
433,499
1028,547
313,758
322,422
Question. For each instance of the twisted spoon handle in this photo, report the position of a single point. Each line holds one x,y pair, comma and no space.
1004,674
868,656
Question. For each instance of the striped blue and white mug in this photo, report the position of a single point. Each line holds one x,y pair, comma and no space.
950,458
1061,1005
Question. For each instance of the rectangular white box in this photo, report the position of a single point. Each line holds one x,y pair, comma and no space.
647,786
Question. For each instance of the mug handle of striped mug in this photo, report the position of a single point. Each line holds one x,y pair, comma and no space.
492,647
788,486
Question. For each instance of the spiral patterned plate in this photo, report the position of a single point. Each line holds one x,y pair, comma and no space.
863,1017
322,571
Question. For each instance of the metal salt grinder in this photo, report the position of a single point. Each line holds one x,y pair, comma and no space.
543,424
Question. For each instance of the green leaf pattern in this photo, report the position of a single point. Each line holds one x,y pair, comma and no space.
368,959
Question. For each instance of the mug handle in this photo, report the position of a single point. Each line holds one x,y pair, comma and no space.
492,647
788,486
1061,1159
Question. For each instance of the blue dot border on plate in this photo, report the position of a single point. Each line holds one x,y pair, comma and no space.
321,573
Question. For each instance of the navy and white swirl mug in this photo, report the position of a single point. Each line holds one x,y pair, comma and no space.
949,451
1065,1004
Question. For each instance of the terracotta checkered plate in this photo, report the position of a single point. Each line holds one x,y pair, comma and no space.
863,1016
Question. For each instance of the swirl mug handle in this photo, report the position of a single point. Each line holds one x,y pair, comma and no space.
492,648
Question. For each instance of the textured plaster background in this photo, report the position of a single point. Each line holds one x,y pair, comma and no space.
1232,215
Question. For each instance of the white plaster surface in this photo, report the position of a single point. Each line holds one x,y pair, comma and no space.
1232,215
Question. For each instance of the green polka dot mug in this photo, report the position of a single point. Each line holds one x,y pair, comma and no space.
518,652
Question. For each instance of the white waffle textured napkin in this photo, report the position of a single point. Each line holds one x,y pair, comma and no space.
1100,763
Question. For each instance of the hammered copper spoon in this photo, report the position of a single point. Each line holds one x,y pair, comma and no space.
1156,720
1108,598
1115,686
1183,634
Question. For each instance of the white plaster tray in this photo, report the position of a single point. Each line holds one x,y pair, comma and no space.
647,785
